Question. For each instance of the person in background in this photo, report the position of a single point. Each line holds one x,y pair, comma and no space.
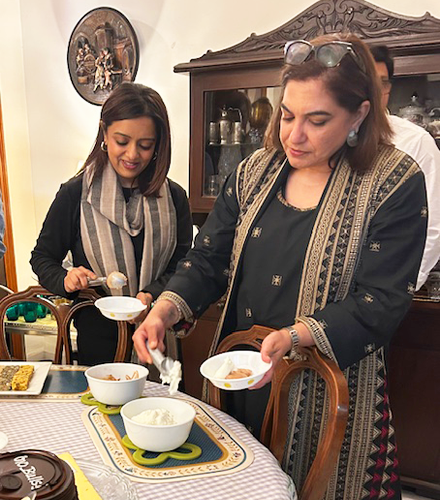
2,230
119,213
420,145
318,236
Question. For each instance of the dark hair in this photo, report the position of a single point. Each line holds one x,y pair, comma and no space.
382,54
133,100
350,86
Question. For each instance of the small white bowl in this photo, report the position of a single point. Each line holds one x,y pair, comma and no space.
250,360
120,308
158,438
116,392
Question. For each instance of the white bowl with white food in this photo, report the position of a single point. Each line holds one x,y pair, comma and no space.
218,367
120,308
129,383
163,435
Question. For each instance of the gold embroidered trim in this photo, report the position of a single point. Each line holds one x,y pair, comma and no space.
283,200
183,308
320,338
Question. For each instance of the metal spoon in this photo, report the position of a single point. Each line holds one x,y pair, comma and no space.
115,280
162,363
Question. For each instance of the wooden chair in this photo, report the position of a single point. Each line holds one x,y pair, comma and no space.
275,424
63,314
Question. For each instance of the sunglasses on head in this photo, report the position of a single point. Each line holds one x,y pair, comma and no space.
330,54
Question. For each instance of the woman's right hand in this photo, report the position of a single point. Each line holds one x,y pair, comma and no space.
77,278
162,316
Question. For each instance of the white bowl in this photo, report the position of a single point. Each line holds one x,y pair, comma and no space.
116,392
158,437
120,308
241,359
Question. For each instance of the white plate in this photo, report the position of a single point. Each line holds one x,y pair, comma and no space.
108,483
41,369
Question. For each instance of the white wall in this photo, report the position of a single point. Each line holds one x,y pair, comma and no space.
49,127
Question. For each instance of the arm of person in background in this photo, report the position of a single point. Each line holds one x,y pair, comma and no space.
184,240
428,158
2,230
350,329
58,235
420,145
201,277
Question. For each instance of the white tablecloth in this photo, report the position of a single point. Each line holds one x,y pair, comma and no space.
57,427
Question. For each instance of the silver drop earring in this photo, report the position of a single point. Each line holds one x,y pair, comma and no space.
104,146
352,138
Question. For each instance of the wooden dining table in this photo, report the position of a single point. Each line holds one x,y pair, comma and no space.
57,420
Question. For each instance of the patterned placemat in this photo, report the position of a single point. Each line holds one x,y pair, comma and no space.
222,451
63,383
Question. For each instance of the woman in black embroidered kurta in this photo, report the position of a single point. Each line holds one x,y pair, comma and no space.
361,243
120,213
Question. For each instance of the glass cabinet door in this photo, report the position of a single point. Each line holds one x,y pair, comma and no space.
235,122
417,99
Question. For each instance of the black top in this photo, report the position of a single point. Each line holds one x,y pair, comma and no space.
388,262
280,236
61,233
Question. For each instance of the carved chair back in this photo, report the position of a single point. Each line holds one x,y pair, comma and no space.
63,314
276,419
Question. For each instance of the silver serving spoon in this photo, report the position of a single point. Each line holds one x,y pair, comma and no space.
115,280
162,363
170,370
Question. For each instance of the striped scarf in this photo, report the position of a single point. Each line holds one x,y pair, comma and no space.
108,223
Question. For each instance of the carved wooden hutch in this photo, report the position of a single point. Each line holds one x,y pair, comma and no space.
230,85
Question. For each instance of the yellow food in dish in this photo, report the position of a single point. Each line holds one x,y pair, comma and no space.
21,379
127,377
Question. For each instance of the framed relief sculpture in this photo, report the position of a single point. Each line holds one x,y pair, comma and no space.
102,53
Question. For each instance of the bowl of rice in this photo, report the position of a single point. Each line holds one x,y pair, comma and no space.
116,383
158,424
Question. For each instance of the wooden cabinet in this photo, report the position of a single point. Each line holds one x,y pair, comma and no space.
249,71
414,377
223,81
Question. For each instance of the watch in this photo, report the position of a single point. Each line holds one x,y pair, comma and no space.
294,338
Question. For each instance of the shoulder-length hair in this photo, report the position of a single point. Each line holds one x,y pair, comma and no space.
350,86
133,100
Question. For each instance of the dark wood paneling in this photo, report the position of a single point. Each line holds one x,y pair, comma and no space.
414,377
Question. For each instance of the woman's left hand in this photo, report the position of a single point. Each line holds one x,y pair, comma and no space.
146,299
273,348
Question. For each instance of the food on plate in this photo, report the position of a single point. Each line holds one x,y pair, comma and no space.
229,371
158,416
127,377
239,373
21,379
15,377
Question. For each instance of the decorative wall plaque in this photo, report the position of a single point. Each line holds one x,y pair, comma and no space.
102,53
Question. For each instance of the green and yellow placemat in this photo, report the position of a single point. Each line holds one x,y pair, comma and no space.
222,452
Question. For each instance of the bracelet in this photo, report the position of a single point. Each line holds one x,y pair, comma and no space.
294,337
